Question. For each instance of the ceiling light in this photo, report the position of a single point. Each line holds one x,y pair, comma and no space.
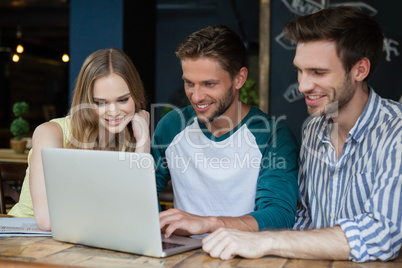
20,48
16,58
65,58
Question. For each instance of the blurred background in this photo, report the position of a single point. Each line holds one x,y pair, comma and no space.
149,31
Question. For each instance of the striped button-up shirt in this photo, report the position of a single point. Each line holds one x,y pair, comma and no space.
361,191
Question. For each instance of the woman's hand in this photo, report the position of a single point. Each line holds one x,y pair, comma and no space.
141,132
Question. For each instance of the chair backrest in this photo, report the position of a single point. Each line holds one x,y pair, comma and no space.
11,178
166,197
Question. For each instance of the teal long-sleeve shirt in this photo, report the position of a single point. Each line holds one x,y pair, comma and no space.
252,169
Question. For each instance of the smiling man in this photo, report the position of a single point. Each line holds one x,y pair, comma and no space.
231,165
350,201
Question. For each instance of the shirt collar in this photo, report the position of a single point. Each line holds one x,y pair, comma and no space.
363,123
324,133
367,118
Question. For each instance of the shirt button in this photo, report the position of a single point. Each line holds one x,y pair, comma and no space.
335,177
332,215
330,150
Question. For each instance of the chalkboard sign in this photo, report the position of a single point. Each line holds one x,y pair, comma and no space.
286,102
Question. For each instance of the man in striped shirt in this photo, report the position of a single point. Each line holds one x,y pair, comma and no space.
350,179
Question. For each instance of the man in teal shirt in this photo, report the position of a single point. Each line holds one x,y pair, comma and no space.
231,165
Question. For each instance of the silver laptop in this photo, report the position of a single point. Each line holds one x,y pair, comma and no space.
108,200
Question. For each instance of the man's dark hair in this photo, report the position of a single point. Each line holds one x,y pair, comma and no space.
356,34
218,42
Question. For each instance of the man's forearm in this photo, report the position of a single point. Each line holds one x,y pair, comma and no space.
243,223
327,243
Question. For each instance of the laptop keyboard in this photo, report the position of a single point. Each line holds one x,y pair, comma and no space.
167,245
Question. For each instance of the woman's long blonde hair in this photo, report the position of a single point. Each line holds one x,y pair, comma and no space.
84,122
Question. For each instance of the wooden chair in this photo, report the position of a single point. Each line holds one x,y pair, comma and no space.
11,178
166,197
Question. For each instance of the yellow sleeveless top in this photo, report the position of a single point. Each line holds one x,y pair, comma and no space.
24,207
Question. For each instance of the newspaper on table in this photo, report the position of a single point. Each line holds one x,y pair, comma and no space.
21,227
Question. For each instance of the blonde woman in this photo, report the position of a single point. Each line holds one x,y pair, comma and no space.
107,113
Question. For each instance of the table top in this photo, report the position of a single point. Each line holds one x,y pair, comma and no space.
21,251
9,156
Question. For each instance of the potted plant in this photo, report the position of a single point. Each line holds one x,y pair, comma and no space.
19,127
249,92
